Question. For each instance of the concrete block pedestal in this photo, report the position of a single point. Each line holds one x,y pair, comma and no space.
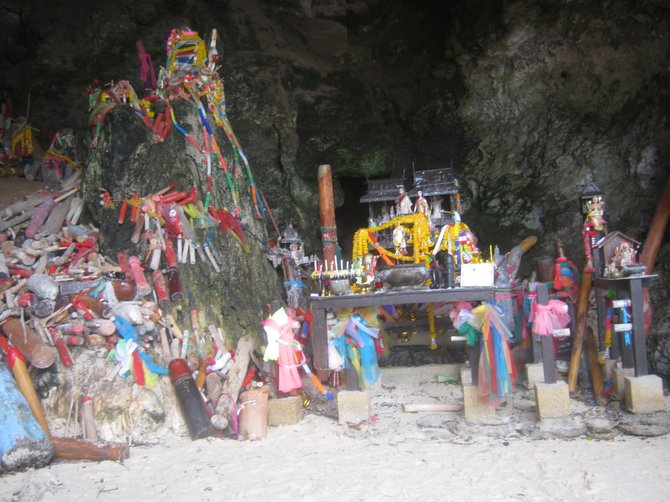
552,400
285,411
473,407
353,406
644,394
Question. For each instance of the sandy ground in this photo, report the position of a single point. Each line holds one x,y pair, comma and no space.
397,456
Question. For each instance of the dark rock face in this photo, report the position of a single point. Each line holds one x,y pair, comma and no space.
530,100
126,163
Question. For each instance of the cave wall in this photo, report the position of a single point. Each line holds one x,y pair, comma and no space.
126,163
530,100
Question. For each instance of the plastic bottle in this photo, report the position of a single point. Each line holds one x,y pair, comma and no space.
74,287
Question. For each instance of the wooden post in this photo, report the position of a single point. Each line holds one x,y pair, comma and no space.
624,338
652,244
81,449
473,358
537,348
327,211
580,328
659,222
594,366
319,339
546,342
639,337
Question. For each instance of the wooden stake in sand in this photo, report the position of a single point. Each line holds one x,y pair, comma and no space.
580,328
438,407
231,388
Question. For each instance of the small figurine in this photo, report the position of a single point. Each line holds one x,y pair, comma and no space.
594,226
624,256
385,216
403,202
436,208
443,270
421,205
399,241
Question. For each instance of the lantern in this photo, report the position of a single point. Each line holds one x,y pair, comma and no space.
292,243
587,196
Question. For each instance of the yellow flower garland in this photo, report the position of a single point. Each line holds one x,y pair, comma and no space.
419,238
420,234
24,139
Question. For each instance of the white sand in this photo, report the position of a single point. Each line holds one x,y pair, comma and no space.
429,456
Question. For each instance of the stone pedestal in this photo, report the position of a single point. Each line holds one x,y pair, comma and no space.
284,411
620,374
473,407
353,406
552,400
644,394
534,374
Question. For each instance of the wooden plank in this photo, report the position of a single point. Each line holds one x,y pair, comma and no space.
439,407
546,342
81,449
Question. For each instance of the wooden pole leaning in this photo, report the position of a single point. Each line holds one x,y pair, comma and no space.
580,328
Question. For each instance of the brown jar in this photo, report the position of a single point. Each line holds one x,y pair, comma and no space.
124,290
